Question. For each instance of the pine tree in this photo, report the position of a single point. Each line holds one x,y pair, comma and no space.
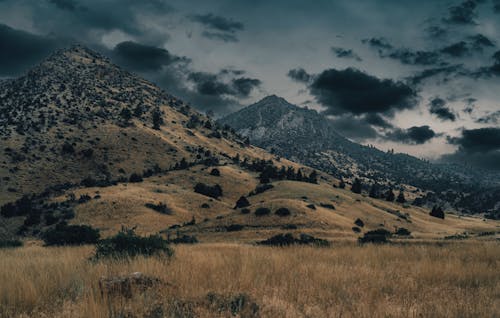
401,197
374,192
389,196
356,186
157,119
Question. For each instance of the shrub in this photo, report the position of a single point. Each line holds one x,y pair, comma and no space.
327,206
10,243
359,222
160,207
127,244
234,227
135,177
205,206
242,203
262,211
311,206
245,211
215,172
64,234
402,232
210,191
375,236
282,212
289,239
356,186
289,227
185,239
437,212
261,188
356,229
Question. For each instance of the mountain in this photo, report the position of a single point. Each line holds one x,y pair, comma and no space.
305,136
83,141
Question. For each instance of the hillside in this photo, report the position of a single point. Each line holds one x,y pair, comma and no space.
85,142
307,137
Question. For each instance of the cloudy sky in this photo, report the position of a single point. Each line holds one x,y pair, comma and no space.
421,77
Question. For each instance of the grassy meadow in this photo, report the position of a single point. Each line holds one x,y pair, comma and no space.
452,279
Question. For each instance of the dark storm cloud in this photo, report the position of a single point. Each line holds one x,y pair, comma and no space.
218,23
378,43
353,91
496,6
354,128
345,53
445,71
458,49
463,13
212,84
139,57
225,37
480,147
377,120
414,135
478,140
403,55
69,5
20,50
244,85
437,106
492,118
489,71
479,41
300,75
436,32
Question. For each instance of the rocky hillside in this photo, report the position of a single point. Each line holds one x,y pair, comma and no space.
305,136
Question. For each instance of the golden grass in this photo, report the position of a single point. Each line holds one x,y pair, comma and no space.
453,280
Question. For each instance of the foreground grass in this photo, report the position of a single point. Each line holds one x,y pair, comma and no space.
455,280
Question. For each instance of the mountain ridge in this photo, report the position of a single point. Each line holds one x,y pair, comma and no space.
308,137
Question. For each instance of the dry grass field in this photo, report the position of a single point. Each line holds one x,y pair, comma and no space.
455,279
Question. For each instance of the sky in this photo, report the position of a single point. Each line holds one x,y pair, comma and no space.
420,77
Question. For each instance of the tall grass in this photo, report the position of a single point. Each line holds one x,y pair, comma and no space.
455,280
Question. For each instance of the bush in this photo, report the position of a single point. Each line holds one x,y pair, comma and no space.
359,222
375,236
64,234
356,229
402,232
437,212
210,191
282,212
135,177
261,188
327,206
311,206
245,211
289,239
234,227
262,211
10,243
215,172
127,244
185,239
242,203
160,207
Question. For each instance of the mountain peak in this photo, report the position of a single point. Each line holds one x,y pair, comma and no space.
76,54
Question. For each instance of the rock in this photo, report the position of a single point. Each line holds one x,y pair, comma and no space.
127,286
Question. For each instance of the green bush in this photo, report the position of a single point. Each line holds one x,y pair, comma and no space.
210,191
262,211
64,234
127,244
402,231
282,212
10,243
288,239
376,236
